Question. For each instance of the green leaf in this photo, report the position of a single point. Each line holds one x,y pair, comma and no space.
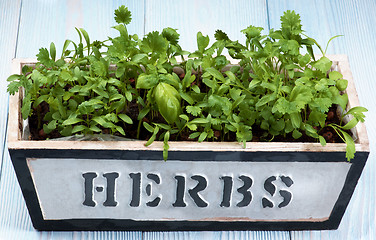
13,77
123,15
103,122
196,89
357,113
301,95
100,68
220,35
26,107
52,125
87,39
317,117
194,110
188,79
67,131
117,45
143,113
296,134
215,73
341,84
120,130
356,110
323,64
138,58
266,99
296,119
327,45
194,135
334,75
53,51
13,87
71,121
115,96
44,57
199,121
165,145
252,32
202,137
148,127
65,46
253,84
322,140
145,81
152,138
202,42
154,43
290,23
171,35
95,129
187,97
352,123
40,99
168,102
78,128
350,145
125,118
101,93
310,131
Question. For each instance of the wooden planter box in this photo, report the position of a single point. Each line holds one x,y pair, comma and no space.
123,185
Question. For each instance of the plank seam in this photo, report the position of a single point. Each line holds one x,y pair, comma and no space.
144,17
4,142
267,13
18,29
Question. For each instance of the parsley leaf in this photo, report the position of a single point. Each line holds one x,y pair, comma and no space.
291,23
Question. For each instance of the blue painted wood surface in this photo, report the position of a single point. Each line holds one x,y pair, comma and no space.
25,26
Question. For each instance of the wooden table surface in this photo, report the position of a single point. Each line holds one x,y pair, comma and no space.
27,25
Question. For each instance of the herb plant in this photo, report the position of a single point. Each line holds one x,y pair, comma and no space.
128,84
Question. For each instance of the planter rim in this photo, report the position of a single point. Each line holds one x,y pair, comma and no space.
340,63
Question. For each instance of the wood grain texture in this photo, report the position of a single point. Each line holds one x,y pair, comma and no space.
43,22
9,15
354,20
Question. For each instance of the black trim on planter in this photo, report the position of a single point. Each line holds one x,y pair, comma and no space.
25,180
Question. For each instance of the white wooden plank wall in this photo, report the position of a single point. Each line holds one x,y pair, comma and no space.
27,25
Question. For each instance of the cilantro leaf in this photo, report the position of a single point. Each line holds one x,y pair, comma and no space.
220,35
252,31
123,15
323,64
154,43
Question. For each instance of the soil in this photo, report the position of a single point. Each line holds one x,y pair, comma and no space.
37,133
259,135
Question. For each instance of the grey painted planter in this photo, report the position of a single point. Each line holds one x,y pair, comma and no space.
114,185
